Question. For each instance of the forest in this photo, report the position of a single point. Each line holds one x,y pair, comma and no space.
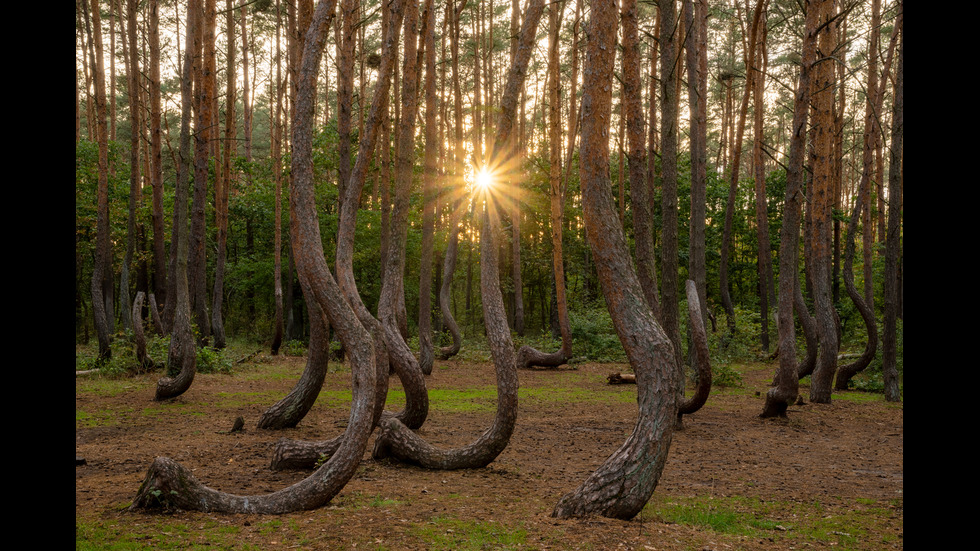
673,190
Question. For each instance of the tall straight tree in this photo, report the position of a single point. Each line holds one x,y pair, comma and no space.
821,208
103,253
764,263
669,48
893,242
221,190
135,108
156,155
696,45
203,132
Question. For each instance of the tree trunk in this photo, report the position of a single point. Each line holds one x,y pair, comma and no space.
102,244
622,485
169,484
221,193
181,356
786,390
700,356
764,263
528,356
156,157
696,14
395,439
893,242
821,212
430,184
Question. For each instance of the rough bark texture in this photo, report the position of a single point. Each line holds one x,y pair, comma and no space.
290,410
893,241
170,485
786,388
821,209
394,439
102,243
621,486
695,15
669,301
143,362
181,356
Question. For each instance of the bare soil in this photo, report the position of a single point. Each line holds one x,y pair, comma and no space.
837,466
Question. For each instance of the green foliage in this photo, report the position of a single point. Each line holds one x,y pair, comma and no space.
593,335
213,360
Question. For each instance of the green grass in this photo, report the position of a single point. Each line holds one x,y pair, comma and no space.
792,521
453,534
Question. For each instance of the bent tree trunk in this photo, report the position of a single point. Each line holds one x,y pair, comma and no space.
395,439
846,372
700,357
448,269
785,389
290,410
528,356
622,485
168,484
181,356
298,454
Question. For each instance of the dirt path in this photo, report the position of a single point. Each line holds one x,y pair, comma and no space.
831,476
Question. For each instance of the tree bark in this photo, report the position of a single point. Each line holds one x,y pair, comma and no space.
171,485
786,390
181,356
430,185
700,356
696,14
103,250
527,356
394,438
623,484
893,242
821,209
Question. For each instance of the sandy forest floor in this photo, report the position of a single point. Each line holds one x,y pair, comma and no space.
828,477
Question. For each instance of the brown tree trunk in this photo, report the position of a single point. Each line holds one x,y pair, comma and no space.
221,192
203,132
181,356
156,155
823,199
102,244
169,484
893,242
696,14
786,390
528,356
430,184
395,439
622,485
764,263
700,356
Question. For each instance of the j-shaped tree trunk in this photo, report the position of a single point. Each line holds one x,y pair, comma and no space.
700,357
846,372
786,388
623,484
171,485
430,185
528,356
181,356
296,454
395,439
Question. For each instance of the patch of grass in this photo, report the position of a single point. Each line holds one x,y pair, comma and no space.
108,535
461,535
844,525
